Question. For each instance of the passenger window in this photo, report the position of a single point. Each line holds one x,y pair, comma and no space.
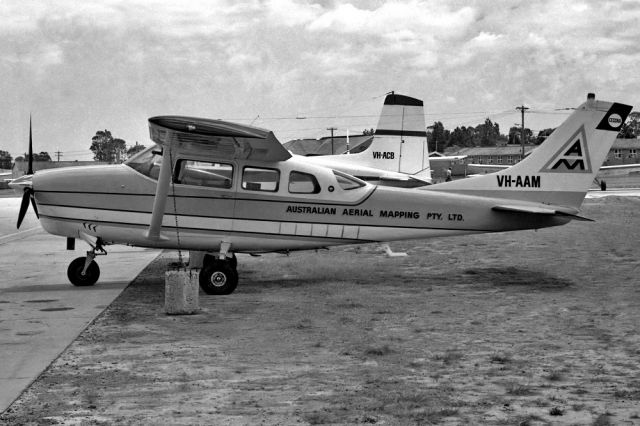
205,173
303,183
257,179
347,182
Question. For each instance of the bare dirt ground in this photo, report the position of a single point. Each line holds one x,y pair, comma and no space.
524,328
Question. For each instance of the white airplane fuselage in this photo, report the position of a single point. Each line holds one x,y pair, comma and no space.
217,188
115,204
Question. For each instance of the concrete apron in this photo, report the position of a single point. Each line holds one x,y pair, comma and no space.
41,313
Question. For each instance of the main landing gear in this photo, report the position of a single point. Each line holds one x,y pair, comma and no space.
219,276
84,271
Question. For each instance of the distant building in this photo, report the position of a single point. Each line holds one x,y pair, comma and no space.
624,151
494,155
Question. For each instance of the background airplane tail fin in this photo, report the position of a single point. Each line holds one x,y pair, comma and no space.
561,170
400,140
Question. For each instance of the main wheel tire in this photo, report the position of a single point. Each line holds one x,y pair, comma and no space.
218,278
77,278
209,259
233,261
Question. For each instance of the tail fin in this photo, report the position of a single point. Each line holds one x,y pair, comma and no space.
399,144
400,140
561,170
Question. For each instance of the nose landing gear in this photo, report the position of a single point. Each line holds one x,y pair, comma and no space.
84,271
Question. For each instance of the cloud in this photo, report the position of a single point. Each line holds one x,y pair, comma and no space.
291,13
122,61
422,17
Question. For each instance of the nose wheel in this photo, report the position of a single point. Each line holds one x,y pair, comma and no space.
82,276
84,271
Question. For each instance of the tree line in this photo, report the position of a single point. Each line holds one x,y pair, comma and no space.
112,150
488,134
104,146
109,149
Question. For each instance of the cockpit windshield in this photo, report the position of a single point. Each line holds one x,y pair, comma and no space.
147,162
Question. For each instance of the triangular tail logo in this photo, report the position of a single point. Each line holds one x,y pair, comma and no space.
573,157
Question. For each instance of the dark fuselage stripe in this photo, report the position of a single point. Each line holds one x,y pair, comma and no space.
230,198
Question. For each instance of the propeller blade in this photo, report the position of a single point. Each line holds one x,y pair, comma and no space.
30,169
24,206
33,203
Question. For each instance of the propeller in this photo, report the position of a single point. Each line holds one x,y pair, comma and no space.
28,195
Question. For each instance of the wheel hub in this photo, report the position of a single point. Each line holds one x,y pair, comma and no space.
218,279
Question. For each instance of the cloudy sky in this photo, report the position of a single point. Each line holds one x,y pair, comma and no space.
297,67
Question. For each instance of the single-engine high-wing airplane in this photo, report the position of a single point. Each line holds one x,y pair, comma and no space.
217,188
398,154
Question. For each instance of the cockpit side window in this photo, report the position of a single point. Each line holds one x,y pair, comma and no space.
303,183
347,182
147,162
204,173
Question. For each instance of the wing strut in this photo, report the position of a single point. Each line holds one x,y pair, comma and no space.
160,200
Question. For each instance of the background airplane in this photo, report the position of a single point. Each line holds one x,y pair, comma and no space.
398,154
216,188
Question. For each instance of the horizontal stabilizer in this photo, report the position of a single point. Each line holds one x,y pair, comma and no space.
571,213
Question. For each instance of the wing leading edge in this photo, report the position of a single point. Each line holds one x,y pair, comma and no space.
222,139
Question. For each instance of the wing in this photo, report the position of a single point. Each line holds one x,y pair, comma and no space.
222,139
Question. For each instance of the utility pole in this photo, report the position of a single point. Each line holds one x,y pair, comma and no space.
58,154
332,129
522,110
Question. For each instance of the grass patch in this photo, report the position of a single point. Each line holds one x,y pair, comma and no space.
514,277
555,376
350,305
500,358
303,324
602,420
529,420
378,351
422,407
318,418
580,391
516,389
556,411
448,357
627,394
